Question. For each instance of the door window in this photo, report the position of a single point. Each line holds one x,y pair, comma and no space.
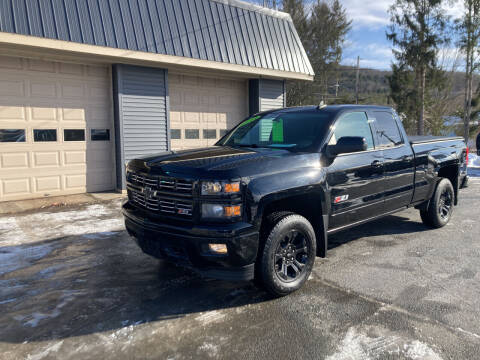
74,135
12,135
387,129
353,124
44,135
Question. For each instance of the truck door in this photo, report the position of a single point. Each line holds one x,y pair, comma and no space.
355,179
399,162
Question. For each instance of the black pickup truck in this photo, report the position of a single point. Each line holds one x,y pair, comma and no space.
261,203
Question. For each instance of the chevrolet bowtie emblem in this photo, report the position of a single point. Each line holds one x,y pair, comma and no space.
149,192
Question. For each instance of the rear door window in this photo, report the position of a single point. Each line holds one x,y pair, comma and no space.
388,132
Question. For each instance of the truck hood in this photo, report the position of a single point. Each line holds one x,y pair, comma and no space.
223,162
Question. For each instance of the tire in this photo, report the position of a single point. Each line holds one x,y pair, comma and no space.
440,208
287,256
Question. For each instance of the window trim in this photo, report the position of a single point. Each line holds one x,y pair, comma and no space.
341,116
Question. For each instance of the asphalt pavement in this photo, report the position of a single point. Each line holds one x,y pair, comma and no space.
73,285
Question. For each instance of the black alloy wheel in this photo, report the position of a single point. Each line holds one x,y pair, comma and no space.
291,256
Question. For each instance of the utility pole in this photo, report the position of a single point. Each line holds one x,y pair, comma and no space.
357,79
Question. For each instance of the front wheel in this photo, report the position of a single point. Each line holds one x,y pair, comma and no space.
288,255
440,209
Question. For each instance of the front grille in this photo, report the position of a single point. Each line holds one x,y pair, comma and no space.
162,205
162,183
164,195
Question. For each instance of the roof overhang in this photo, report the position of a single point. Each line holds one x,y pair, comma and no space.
24,45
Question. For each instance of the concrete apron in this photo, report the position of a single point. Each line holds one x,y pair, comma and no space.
19,206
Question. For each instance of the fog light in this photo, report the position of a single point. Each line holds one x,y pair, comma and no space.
217,248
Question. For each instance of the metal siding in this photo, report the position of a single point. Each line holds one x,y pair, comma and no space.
85,23
231,31
49,26
265,41
282,65
142,102
246,37
108,28
202,29
203,26
182,31
271,94
20,16
35,20
156,26
188,22
197,30
213,35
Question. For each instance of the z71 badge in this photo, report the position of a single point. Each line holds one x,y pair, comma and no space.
339,199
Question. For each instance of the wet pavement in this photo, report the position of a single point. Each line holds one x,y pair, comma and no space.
73,285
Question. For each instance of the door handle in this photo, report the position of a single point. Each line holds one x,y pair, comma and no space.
377,164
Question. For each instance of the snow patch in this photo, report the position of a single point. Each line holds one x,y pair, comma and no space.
209,348
48,351
98,220
356,345
210,317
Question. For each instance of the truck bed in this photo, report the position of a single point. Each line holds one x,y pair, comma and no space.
414,140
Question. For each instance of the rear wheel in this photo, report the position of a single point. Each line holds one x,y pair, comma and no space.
288,255
440,208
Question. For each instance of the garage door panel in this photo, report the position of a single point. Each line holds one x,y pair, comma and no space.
48,183
12,87
46,158
62,96
16,186
75,157
12,113
43,89
71,69
76,181
10,62
14,160
73,114
41,65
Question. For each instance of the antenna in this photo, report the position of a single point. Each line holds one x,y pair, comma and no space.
322,105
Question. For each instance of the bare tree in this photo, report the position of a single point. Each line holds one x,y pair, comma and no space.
469,30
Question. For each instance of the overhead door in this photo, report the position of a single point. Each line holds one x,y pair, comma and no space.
202,109
56,128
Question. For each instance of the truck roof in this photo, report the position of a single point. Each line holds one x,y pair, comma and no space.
328,108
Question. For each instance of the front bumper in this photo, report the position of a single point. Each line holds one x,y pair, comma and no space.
187,246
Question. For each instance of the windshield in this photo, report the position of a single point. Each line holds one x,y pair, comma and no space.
296,131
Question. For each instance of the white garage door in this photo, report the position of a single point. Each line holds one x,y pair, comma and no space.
56,128
202,109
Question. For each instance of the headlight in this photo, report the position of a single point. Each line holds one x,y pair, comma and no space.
220,187
217,211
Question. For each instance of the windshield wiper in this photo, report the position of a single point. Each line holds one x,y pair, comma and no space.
247,145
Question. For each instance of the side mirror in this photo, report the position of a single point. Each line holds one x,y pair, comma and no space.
347,144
